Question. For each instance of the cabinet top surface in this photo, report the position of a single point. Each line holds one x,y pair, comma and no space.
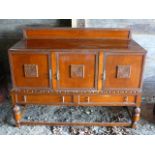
77,44
77,39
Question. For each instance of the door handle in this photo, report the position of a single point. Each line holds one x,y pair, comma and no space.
50,74
88,99
104,75
58,76
63,99
25,98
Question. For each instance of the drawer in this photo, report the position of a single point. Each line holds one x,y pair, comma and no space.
43,99
107,99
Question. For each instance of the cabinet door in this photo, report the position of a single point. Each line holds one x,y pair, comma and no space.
123,70
77,70
30,69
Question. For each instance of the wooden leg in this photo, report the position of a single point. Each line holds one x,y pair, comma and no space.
154,110
16,110
135,117
17,115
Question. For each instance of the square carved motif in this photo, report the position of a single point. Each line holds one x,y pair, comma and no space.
77,71
123,71
31,70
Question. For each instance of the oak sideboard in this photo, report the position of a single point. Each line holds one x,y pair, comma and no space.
77,67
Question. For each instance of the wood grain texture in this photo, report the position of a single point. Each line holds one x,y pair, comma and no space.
57,44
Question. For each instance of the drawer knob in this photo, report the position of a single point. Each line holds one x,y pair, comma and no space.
88,99
78,98
50,74
25,98
126,99
63,99
57,76
104,75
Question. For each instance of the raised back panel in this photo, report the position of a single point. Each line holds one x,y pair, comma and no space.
76,33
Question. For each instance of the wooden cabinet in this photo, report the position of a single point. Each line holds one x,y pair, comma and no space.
77,67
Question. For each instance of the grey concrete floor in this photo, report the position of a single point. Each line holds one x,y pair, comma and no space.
146,125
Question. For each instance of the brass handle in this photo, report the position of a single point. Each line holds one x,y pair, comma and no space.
50,74
58,76
63,99
104,75
126,99
78,99
25,98
88,99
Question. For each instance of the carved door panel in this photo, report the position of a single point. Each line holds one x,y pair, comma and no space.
123,70
30,70
77,70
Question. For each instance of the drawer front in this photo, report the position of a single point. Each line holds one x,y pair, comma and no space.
30,70
123,70
43,99
77,70
106,99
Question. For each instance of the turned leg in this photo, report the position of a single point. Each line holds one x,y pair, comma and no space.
154,110
135,117
17,115
16,110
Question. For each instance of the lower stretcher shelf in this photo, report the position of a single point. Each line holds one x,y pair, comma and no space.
73,116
